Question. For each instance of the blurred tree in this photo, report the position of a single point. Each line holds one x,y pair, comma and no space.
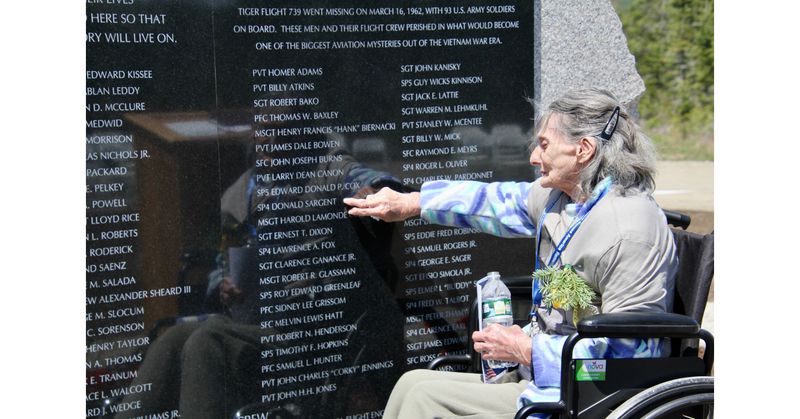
673,42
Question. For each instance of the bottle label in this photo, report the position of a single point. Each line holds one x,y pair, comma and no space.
496,307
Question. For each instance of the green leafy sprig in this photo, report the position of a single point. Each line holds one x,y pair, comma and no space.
563,288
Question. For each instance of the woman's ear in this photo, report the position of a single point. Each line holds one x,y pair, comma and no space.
587,146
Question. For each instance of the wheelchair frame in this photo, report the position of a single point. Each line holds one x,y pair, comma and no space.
666,393
630,325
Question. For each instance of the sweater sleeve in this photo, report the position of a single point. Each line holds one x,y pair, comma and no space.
498,208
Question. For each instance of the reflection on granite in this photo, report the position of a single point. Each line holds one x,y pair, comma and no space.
222,270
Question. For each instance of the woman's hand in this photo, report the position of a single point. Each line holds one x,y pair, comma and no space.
387,205
503,344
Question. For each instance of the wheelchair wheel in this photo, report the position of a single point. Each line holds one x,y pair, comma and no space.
670,399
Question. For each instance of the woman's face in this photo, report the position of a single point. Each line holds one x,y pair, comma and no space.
557,158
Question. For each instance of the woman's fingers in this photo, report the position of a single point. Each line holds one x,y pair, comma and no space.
386,205
368,206
356,202
502,343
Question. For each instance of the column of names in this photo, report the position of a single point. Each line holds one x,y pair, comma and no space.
115,300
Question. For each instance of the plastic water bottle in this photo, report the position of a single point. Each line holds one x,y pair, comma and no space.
496,308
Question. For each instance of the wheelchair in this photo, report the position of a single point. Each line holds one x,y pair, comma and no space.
680,386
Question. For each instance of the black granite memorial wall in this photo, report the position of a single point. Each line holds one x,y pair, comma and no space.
221,136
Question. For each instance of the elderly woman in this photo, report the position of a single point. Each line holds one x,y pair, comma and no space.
592,209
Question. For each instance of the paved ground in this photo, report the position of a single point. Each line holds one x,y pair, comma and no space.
685,185
688,187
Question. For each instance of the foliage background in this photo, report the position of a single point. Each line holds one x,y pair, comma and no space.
673,42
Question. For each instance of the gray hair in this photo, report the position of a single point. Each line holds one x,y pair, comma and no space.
628,157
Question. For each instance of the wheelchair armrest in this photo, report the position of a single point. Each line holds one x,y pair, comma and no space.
520,286
623,325
449,360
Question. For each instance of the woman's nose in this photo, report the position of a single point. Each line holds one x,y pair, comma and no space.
536,156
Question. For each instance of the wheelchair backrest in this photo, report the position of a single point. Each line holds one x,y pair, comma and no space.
693,281
695,272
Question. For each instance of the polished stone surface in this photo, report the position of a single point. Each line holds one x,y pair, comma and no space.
222,136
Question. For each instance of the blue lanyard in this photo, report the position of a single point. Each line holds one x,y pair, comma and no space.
599,192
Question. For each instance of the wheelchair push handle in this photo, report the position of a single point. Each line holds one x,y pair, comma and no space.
677,219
